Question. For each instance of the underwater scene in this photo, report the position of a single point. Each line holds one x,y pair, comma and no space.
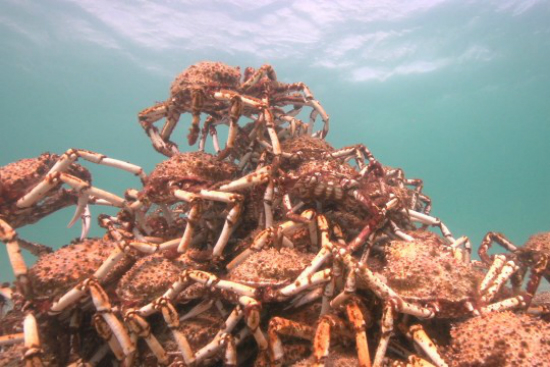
275,183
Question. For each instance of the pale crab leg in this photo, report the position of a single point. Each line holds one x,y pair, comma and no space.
432,221
487,242
268,203
232,199
252,319
82,212
149,116
347,292
212,347
103,307
33,352
386,326
355,316
105,332
506,304
280,326
68,158
376,284
417,333
235,112
170,316
257,177
262,239
12,339
328,292
504,272
192,218
142,329
9,236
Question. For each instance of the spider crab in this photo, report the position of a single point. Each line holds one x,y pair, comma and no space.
216,89
535,254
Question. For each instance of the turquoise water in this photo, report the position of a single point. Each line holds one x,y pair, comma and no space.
456,93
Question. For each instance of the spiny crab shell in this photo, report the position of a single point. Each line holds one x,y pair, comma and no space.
187,171
539,242
500,339
18,178
55,273
204,75
425,271
152,275
271,267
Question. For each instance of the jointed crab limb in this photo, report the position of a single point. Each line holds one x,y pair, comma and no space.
103,307
105,332
386,328
487,242
142,329
417,333
355,315
12,339
33,352
235,200
9,236
374,283
279,326
57,172
432,221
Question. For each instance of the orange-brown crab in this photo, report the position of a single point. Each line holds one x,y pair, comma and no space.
216,89
500,339
535,254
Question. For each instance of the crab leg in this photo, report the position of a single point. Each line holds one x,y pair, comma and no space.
33,352
386,326
234,317
12,339
279,325
355,315
148,117
9,236
417,333
105,332
432,221
498,274
235,112
252,319
142,329
232,199
103,307
263,238
68,158
487,242
377,285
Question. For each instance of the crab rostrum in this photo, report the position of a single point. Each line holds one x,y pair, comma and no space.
216,89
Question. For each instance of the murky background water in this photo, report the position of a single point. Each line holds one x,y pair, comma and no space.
454,92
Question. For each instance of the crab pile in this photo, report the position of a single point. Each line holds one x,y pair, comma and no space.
278,249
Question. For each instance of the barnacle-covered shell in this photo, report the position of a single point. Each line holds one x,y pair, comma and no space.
500,339
56,272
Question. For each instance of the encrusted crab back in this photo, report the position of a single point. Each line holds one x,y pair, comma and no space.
304,148
56,272
187,171
206,74
18,178
539,242
425,271
500,339
271,267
